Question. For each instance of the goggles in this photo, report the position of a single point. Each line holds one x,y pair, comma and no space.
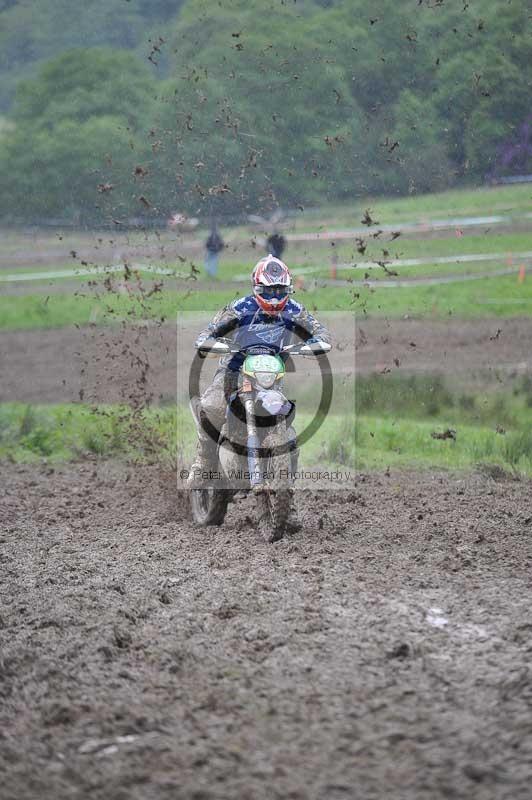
273,292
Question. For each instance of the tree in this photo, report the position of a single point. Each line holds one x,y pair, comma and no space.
260,103
417,147
78,125
32,31
256,114
159,10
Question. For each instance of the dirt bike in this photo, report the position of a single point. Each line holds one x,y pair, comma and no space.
256,449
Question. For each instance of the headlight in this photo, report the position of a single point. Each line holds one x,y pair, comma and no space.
265,379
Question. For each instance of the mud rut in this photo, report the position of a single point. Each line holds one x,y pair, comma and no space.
382,652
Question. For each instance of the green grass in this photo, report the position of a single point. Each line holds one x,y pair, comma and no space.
432,397
381,442
68,431
393,426
305,255
395,418
505,244
489,297
62,433
318,254
36,311
493,297
97,273
483,201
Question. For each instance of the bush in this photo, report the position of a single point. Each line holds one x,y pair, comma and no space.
518,446
415,395
342,444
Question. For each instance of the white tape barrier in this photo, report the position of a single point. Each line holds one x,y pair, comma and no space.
409,227
242,277
419,281
82,272
410,262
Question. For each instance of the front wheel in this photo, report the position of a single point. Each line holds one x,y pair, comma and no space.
209,505
274,499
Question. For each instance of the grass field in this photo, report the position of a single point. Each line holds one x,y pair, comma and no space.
392,424
43,305
58,433
392,427
483,201
494,297
318,255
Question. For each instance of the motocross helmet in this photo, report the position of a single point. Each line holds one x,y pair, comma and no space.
272,284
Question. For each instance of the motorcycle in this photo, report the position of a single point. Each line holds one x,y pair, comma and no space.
256,450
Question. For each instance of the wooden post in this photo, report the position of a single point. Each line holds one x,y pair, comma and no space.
334,265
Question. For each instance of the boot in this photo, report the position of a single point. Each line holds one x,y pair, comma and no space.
293,523
204,465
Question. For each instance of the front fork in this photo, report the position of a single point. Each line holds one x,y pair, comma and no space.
253,443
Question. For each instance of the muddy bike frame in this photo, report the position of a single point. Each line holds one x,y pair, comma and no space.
220,347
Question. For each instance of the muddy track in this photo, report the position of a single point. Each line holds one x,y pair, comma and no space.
105,364
381,652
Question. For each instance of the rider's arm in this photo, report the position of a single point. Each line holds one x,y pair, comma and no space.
222,324
315,331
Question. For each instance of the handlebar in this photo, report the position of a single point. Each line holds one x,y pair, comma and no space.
221,347
313,349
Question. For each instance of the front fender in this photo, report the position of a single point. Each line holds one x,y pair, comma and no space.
274,403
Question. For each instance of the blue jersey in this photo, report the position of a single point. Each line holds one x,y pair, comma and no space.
248,326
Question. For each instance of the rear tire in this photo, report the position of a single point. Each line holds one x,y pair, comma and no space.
209,505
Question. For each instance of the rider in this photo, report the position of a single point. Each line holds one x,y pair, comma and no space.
268,317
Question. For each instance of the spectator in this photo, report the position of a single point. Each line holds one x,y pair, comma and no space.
213,246
276,244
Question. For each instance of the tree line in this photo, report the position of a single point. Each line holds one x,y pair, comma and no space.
252,104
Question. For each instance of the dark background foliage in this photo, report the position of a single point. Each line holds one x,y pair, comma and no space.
128,107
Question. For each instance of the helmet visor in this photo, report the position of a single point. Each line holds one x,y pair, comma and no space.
273,292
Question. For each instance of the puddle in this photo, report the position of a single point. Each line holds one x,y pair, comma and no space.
436,618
